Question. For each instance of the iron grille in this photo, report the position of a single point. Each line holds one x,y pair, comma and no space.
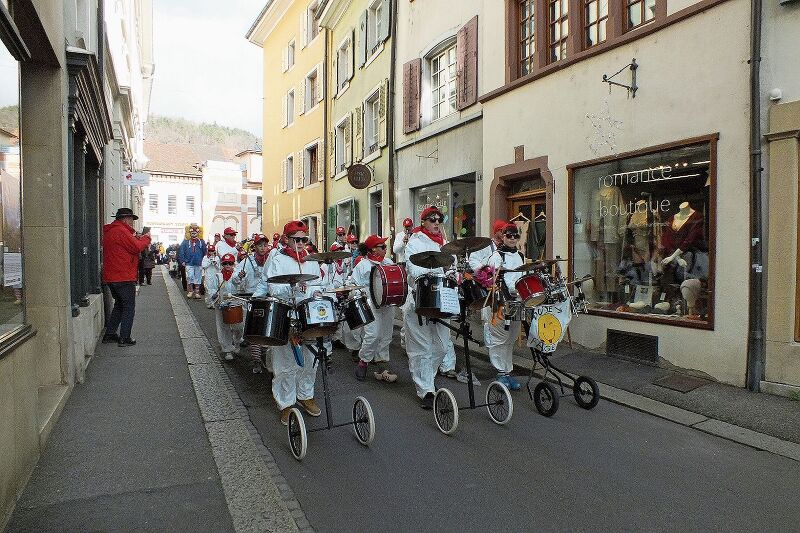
634,346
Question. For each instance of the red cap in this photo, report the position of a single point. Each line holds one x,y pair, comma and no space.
228,258
407,222
242,255
340,230
374,240
352,238
499,225
276,236
293,227
230,231
258,237
211,248
428,211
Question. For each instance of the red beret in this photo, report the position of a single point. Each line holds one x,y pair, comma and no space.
407,222
293,227
340,231
228,258
374,240
499,225
230,231
428,211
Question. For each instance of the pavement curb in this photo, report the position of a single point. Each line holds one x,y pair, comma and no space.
258,496
700,422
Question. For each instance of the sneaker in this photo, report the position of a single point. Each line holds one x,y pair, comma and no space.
209,306
461,377
189,294
427,401
110,337
228,356
513,384
285,416
126,342
452,374
361,370
310,407
197,296
386,376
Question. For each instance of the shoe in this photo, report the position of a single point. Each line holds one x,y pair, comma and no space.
310,407
427,401
228,356
209,306
452,374
149,283
126,342
285,416
513,384
197,296
110,337
386,376
361,370
354,356
461,377
189,294
257,368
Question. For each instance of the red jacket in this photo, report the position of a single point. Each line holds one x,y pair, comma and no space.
121,252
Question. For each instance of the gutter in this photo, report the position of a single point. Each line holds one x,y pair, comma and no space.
390,197
755,340
324,154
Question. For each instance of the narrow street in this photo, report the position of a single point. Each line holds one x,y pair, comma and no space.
611,468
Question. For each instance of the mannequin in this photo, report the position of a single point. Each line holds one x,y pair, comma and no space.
684,232
690,290
605,231
640,234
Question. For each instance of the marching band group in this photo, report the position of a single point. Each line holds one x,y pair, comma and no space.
230,277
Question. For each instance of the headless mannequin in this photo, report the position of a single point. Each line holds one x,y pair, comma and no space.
678,221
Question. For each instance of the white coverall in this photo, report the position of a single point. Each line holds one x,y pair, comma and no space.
500,342
292,382
211,268
228,335
255,277
399,249
428,344
342,272
223,248
377,335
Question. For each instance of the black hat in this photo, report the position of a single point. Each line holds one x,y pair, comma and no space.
123,212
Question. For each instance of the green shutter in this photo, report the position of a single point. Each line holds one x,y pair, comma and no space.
331,225
354,219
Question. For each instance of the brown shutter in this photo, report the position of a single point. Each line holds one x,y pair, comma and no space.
467,65
357,123
332,153
412,72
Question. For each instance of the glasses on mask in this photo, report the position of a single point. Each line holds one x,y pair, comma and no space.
512,235
304,240
436,220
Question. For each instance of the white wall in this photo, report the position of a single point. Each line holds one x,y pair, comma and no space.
162,222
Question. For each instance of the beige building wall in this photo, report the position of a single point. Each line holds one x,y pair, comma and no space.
693,81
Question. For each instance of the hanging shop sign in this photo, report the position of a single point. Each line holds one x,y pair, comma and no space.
359,176
137,179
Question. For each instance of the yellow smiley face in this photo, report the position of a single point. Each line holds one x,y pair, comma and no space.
549,328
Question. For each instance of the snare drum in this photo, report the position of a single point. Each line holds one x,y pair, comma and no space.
357,311
388,285
231,313
317,317
267,322
428,298
533,289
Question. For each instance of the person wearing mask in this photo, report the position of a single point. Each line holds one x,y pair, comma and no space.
221,288
228,244
121,250
191,254
211,267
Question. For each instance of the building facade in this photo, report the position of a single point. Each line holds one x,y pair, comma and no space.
358,70
71,129
171,202
294,121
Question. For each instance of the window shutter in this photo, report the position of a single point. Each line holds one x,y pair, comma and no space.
352,59
332,153
298,170
320,162
332,224
285,59
283,175
285,110
300,97
320,82
387,6
348,143
354,217
411,94
382,112
361,45
358,133
304,28
335,73
467,65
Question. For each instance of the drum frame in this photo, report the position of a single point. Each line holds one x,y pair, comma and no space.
364,310
312,331
258,339
385,282
432,311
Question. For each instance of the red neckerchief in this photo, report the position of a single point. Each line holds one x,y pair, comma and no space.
261,259
375,258
231,244
227,274
438,239
291,253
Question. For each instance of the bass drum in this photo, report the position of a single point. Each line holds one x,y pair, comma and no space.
267,322
232,313
428,298
357,311
388,285
317,317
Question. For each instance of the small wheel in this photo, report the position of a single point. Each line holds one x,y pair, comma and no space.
445,410
363,421
586,392
545,397
298,438
499,403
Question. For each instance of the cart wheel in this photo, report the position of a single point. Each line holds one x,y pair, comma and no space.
298,438
586,392
545,397
499,403
445,410
363,421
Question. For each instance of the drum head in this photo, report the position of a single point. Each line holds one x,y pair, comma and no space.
376,286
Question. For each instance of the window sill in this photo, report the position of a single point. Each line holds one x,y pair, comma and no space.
371,157
16,338
312,186
340,175
654,319
311,110
342,90
374,55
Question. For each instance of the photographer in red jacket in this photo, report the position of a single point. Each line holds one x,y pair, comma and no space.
121,249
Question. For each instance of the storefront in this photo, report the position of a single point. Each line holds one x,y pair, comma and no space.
456,199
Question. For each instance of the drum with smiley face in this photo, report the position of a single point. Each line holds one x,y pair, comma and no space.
548,324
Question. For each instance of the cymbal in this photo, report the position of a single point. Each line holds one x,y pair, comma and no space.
327,257
292,278
549,261
346,288
527,267
466,245
432,259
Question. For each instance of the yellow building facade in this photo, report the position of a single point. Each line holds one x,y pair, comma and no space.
294,123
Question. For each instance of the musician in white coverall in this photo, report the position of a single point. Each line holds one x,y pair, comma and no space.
249,274
221,287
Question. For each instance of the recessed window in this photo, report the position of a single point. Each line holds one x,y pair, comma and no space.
342,145
312,91
557,29
190,205
375,21
640,12
312,24
172,204
288,173
595,17
344,58
311,165
290,108
372,109
290,56
443,83
527,37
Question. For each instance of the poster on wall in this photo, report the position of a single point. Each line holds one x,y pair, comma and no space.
12,269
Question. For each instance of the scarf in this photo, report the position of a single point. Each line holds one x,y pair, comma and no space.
227,274
375,258
508,249
301,258
261,259
231,243
438,239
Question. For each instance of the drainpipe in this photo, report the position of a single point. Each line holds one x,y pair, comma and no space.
390,182
324,155
756,340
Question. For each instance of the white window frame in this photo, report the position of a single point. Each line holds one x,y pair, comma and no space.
375,222
449,83
190,210
341,154
373,22
151,204
342,209
291,99
307,163
371,128
291,52
311,22
288,166
344,58
311,98
172,209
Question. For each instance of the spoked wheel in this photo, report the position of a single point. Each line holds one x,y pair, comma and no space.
363,421
445,410
298,438
586,392
545,397
499,403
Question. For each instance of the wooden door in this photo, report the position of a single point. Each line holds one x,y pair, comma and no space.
534,209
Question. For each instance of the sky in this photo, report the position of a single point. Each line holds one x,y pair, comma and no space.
205,68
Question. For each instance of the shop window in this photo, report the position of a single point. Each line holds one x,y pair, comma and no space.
456,200
12,309
643,227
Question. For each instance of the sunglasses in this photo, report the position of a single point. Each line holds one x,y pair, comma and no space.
512,235
381,246
437,220
227,264
300,239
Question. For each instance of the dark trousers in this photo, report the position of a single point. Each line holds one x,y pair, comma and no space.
146,273
124,293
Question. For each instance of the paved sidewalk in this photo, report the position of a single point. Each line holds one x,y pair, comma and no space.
130,451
